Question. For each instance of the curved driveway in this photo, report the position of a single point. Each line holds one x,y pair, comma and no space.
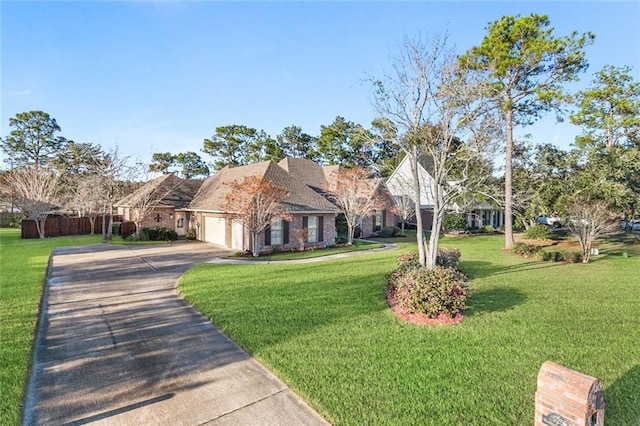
116,345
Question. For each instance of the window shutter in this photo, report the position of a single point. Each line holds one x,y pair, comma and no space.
384,218
267,236
320,228
305,224
285,232
373,220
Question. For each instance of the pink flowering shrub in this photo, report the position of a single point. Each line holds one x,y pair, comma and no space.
439,292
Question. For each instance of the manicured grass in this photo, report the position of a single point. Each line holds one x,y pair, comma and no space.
326,330
357,245
23,266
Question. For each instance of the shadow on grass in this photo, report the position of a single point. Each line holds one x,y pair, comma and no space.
497,299
481,269
623,400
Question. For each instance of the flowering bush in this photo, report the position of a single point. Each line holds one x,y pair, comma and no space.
434,292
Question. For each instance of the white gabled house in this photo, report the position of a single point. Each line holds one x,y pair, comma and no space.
478,213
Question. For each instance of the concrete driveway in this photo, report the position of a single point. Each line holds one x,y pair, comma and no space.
116,345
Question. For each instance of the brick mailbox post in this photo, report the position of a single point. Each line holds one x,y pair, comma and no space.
565,397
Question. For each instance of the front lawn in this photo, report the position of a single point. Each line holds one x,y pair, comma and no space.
326,330
23,265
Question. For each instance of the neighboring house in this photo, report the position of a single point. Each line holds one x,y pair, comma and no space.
400,184
309,211
163,199
318,178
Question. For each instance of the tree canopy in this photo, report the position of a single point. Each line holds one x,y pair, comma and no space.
526,66
33,140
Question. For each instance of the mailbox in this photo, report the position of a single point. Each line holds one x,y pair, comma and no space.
565,397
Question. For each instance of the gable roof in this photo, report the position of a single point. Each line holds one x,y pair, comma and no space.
211,196
305,170
171,190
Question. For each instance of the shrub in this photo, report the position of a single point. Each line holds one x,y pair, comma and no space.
525,249
573,257
390,231
433,292
538,232
190,234
455,221
487,229
447,258
157,233
558,256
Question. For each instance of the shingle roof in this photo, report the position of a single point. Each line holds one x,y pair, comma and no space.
302,198
171,191
307,171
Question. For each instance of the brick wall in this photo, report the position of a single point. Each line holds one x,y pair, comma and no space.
568,397
165,216
328,234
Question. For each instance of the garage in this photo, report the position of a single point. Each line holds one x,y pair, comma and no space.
237,235
214,230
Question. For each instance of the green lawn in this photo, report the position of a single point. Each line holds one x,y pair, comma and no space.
23,266
326,330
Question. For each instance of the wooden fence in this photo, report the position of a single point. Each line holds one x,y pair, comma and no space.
58,226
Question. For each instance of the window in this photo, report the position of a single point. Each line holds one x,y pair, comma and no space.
276,232
378,221
312,229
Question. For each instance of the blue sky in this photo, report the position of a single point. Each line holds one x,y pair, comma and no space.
161,76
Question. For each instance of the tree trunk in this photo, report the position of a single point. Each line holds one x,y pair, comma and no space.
254,244
104,226
438,219
351,229
110,226
413,161
508,183
40,222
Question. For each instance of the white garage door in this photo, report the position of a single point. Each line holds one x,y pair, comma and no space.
214,230
237,233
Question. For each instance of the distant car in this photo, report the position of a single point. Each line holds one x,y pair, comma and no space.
630,225
549,220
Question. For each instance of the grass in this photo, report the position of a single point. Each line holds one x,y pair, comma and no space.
326,330
357,245
23,266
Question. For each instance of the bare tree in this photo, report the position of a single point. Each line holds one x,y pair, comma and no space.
257,202
433,105
405,208
355,195
114,176
150,196
34,191
588,221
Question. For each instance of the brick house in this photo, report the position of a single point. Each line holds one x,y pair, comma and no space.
309,211
164,198
319,178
